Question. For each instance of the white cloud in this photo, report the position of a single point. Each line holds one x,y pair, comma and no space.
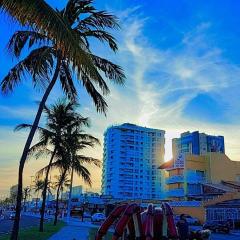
196,66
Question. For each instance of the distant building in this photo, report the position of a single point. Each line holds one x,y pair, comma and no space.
13,192
197,143
132,155
77,191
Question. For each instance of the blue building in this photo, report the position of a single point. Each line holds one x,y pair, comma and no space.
132,155
197,143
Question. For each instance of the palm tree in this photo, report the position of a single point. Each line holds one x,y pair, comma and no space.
38,185
62,182
70,158
76,141
58,117
47,62
26,194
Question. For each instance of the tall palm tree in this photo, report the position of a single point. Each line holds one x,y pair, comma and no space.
59,116
38,185
47,62
62,182
26,194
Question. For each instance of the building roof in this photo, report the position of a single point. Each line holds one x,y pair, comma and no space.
235,203
220,186
168,164
232,184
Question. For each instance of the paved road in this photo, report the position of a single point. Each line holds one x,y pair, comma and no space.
224,237
26,221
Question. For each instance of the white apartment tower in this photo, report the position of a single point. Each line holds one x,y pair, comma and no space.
132,155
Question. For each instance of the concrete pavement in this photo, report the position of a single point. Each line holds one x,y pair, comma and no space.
72,233
77,230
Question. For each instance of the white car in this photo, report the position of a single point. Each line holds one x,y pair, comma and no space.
87,215
98,217
12,215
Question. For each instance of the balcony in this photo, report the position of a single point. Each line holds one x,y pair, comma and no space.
175,179
191,178
177,192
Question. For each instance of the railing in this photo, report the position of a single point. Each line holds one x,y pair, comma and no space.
177,192
175,179
185,203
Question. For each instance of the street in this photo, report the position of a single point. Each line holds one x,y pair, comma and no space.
216,236
26,221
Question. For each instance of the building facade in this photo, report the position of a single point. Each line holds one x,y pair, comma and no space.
132,155
197,144
77,191
200,177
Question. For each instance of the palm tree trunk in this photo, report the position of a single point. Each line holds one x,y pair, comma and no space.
44,193
70,197
56,212
15,229
36,203
24,203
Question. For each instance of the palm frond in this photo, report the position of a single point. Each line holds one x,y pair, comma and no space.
102,36
111,70
39,149
38,63
83,172
100,19
98,99
20,38
89,160
28,126
66,80
57,164
88,138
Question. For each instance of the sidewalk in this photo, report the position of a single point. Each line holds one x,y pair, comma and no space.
75,230
72,233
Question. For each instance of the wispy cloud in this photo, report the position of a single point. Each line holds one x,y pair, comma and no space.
161,82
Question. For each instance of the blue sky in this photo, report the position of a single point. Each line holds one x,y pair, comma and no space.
181,58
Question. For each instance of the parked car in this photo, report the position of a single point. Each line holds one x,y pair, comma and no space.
77,211
98,217
191,220
217,226
87,215
12,215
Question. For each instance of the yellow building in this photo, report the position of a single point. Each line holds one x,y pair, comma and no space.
209,178
186,181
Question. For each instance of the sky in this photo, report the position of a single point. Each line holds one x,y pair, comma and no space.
181,59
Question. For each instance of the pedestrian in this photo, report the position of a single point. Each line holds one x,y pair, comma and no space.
183,228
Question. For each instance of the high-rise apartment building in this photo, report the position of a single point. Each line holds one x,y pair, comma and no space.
197,144
132,155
